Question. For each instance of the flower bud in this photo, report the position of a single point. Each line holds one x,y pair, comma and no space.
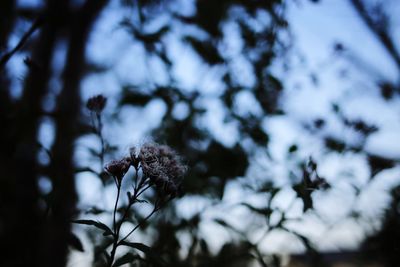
96,103
118,168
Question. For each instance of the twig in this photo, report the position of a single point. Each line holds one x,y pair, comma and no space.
116,205
6,57
117,226
139,224
381,34
99,129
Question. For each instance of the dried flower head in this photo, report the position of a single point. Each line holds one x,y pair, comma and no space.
118,168
96,103
163,167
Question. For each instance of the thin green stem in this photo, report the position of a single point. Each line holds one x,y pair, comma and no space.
116,206
99,129
117,226
139,224
130,204
115,234
144,189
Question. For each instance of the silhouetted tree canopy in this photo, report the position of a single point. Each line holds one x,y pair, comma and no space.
241,42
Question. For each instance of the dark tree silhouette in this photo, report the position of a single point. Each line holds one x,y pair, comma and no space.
33,235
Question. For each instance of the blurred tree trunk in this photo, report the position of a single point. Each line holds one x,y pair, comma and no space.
26,232
66,120
30,235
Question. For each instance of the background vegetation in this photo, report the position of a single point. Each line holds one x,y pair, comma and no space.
218,115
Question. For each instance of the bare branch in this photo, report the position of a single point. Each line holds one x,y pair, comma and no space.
6,57
382,34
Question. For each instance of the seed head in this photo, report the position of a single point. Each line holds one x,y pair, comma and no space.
163,167
118,168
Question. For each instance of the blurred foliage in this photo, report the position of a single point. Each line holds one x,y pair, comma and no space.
43,218
383,245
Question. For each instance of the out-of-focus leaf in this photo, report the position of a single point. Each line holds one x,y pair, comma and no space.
387,90
104,177
262,211
94,210
266,212
75,242
148,251
311,251
99,251
94,68
268,187
94,152
310,182
223,223
106,255
100,225
335,144
336,108
226,162
213,167
319,123
150,38
267,93
274,82
257,134
305,241
276,260
378,164
109,148
360,126
134,97
164,57
209,15
127,258
227,225
233,254
305,195
206,50
86,169
204,246
248,34
147,38
293,148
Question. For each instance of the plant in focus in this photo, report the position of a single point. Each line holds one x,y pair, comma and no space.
158,170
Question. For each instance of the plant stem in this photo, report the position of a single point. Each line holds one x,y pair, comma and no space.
116,205
139,224
99,129
117,226
116,232
6,57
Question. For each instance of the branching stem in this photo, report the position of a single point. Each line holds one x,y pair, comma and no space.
138,190
139,224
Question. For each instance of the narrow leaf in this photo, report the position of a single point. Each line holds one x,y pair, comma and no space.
94,210
127,258
75,242
148,251
100,225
